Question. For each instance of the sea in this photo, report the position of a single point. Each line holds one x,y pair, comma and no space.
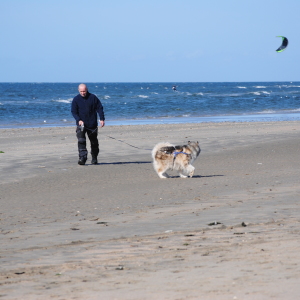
37,104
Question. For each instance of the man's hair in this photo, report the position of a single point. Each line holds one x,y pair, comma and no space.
82,85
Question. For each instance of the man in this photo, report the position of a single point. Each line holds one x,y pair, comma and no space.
85,107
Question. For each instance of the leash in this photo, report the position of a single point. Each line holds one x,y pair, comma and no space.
91,131
127,143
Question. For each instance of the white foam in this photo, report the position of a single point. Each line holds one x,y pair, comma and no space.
293,110
260,87
64,101
143,96
106,97
241,87
267,111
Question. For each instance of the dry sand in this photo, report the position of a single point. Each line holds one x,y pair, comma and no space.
118,231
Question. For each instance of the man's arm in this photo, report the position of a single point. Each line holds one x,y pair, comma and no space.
74,111
100,112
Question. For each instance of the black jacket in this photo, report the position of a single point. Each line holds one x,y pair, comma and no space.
86,109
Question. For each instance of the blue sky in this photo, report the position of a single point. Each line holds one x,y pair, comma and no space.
148,41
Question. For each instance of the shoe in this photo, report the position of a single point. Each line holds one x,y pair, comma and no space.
81,161
94,161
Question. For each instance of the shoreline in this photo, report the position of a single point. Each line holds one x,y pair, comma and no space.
117,231
261,117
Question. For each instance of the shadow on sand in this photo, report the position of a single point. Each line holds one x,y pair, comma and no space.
198,176
150,162
126,163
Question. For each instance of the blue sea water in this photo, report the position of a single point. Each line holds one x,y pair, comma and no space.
48,104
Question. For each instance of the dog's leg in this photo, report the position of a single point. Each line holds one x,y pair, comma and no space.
188,170
161,172
191,170
182,173
163,175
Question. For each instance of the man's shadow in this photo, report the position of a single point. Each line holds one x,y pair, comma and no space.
126,163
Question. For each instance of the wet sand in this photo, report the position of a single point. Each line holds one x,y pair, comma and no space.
118,231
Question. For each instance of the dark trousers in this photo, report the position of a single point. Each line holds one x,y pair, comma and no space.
81,136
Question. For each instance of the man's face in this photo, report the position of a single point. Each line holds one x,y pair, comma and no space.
82,90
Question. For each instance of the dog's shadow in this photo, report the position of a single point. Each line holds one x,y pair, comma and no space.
198,176
150,162
207,176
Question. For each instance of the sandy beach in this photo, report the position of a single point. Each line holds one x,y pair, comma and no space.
117,231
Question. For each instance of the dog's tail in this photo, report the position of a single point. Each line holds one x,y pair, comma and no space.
158,146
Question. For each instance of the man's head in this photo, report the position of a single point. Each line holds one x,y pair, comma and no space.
82,88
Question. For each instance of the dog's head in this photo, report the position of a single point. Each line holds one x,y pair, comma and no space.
193,148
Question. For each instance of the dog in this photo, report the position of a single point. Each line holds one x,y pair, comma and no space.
169,157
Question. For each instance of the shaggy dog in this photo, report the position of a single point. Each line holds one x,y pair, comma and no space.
169,157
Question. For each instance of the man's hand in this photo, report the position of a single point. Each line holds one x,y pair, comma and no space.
80,123
102,123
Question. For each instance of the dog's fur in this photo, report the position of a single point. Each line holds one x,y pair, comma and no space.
166,157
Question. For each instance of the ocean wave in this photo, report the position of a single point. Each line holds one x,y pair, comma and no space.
296,110
191,100
234,95
68,101
267,111
283,86
283,111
